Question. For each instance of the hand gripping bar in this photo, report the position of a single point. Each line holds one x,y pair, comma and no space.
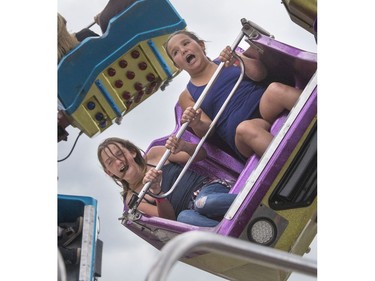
136,199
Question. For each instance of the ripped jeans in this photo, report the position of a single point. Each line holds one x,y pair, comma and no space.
210,206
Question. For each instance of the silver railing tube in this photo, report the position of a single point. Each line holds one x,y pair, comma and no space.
212,125
136,199
196,241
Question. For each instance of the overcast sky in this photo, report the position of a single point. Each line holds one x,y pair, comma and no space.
217,22
29,170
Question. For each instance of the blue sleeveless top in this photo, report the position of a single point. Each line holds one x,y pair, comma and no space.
182,194
242,106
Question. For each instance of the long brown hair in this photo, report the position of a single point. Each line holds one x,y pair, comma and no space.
65,40
122,143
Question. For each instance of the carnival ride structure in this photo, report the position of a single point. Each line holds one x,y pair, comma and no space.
275,211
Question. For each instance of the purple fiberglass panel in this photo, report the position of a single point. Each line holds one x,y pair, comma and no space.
236,225
286,64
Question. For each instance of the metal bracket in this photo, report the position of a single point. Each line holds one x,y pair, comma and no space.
195,241
130,216
252,32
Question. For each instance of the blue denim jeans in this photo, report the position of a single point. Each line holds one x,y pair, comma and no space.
210,206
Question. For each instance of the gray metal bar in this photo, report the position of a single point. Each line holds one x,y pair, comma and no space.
61,269
133,203
293,114
91,24
212,125
195,241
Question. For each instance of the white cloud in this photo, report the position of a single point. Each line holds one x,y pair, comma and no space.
125,255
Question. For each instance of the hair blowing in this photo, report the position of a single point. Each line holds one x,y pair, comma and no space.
65,40
121,143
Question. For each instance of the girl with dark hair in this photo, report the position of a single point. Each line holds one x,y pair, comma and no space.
244,124
196,200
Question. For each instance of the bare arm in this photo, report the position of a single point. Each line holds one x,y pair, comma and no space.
254,68
163,208
183,150
180,152
199,121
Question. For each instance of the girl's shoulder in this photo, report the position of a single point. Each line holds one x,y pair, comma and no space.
154,154
126,197
217,61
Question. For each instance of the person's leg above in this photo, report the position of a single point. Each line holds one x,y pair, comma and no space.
214,200
253,136
277,98
194,218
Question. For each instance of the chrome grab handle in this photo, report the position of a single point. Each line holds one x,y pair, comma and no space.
136,199
197,241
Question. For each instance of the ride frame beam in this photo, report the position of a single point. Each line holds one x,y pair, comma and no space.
195,241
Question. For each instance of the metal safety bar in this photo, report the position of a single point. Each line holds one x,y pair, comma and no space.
136,199
91,24
61,269
195,241
210,128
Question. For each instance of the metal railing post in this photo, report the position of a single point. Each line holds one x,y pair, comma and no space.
136,199
195,241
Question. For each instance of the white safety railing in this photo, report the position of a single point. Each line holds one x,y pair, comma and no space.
195,241
247,30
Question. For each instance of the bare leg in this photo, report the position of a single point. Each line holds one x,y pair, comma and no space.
253,136
277,98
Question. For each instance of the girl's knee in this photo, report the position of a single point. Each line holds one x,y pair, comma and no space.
275,88
205,206
186,216
201,202
246,128
214,205
271,93
278,90
251,128
240,130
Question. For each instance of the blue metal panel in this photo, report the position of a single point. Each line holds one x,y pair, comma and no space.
108,97
141,21
70,206
160,58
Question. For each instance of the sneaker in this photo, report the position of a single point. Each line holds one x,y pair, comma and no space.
71,231
70,255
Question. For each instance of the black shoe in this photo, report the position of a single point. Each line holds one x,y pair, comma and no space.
70,255
71,231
